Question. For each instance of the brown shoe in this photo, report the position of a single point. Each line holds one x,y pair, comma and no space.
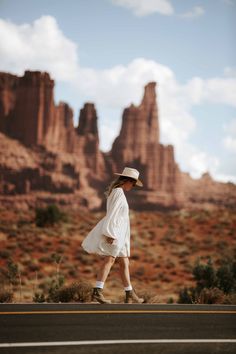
132,298
98,296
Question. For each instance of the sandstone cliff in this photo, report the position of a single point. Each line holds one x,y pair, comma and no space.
66,160
44,158
142,150
87,131
207,193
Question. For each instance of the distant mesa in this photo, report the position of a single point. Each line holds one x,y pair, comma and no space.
44,158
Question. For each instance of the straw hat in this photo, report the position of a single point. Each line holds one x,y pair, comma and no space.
132,173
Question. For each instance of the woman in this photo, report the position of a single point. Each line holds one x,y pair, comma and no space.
110,238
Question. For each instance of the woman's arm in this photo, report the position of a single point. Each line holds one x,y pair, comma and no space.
113,216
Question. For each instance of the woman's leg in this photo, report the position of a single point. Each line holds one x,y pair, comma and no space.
101,278
124,271
105,269
130,295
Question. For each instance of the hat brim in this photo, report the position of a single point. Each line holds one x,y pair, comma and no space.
138,182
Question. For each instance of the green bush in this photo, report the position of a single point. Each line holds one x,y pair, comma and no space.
213,286
12,272
39,297
205,275
226,276
54,288
187,296
48,216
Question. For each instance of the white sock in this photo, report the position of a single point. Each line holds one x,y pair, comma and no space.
99,284
128,288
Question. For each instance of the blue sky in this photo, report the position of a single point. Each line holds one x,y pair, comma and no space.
105,51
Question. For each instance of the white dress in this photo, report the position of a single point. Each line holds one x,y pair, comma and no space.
115,224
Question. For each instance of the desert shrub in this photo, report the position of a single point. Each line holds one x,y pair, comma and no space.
149,296
230,299
187,296
211,296
82,291
11,275
63,294
48,216
212,285
39,297
226,276
54,286
77,292
6,296
12,271
154,300
205,275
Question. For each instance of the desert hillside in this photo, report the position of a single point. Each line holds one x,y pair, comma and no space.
165,247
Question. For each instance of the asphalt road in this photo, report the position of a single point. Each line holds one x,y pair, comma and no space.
116,328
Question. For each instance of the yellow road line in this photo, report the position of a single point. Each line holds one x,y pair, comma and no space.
116,311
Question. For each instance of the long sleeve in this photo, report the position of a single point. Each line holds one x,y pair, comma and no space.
113,217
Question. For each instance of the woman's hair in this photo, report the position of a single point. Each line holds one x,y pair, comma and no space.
119,181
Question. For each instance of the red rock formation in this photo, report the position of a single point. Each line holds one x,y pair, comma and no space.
8,86
68,159
139,133
28,112
61,135
67,164
89,140
207,193
138,145
33,108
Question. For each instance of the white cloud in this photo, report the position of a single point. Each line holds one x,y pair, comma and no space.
229,141
225,178
146,7
120,86
164,7
39,46
200,162
215,90
230,71
42,46
196,11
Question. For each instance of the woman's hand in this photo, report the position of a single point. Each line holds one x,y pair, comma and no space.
109,240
